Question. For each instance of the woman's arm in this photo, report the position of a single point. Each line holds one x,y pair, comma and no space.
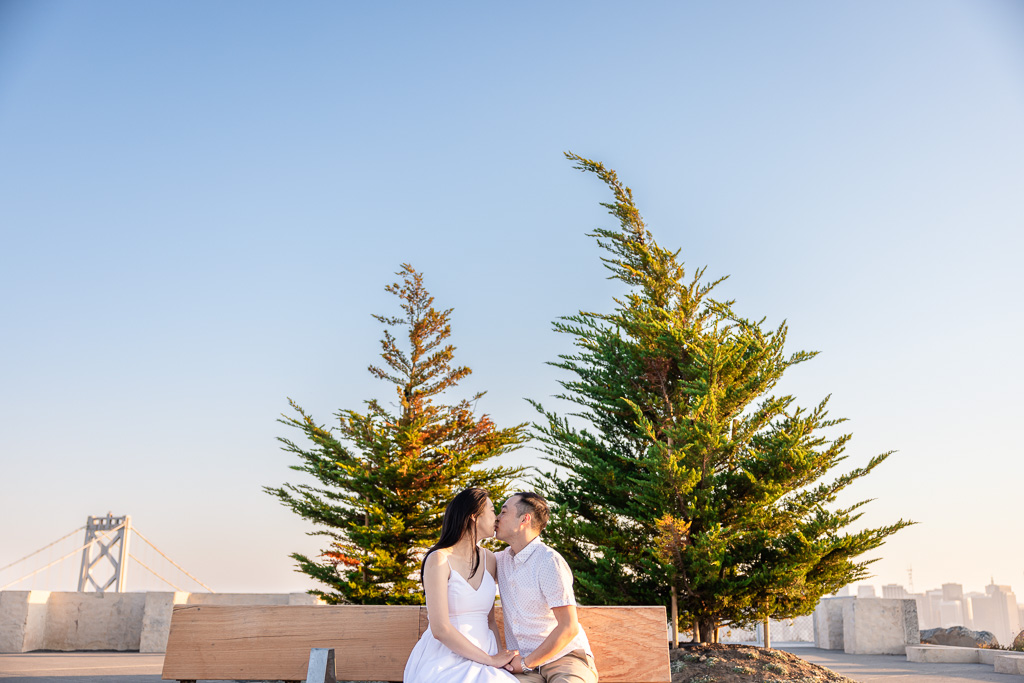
435,585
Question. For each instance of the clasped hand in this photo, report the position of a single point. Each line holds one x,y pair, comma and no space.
504,658
515,666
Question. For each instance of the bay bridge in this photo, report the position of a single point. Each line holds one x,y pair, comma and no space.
104,586
96,557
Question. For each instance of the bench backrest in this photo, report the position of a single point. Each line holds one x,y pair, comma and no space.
371,642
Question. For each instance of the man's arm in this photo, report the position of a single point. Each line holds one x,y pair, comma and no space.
563,633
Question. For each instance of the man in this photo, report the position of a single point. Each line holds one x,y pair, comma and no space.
537,600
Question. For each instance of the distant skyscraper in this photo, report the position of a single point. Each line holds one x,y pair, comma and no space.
933,608
953,610
952,591
921,599
865,591
997,611
951,613
894,590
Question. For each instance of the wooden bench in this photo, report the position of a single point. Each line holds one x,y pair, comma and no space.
220,642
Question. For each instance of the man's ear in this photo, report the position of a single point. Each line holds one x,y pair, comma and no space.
528,518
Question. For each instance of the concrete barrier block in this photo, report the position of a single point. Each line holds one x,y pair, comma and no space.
828,623
22,621
988,655
879,626
304,599
946,654
68,621
36,624
156,619
94,621
238,598
1009,664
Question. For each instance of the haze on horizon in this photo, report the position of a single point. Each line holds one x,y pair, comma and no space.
201,206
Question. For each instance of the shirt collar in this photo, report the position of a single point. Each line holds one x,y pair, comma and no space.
524,554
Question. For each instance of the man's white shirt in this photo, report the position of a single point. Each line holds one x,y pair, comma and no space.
530,584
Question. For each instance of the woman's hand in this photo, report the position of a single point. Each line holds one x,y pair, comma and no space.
504,657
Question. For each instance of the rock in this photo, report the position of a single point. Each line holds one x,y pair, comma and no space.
958,636
1018,642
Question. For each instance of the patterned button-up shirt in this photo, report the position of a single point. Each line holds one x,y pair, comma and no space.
531,583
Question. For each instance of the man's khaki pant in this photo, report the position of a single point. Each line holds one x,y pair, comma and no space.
575,667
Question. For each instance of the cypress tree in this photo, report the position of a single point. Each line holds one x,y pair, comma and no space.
384,476
683,474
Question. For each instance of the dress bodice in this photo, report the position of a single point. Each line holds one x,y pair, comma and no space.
432,662
465,602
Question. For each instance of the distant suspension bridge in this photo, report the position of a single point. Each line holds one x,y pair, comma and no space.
106,549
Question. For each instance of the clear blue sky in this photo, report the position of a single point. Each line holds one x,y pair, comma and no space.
201,203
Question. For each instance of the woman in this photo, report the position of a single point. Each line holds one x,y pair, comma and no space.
461,644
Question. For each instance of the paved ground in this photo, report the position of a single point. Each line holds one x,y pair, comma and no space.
896,669
81,667
132,667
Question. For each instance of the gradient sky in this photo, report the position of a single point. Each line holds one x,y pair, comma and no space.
201,203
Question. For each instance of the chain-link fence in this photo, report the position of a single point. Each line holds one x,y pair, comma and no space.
798,630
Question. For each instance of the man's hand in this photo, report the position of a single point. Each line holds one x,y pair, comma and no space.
515,666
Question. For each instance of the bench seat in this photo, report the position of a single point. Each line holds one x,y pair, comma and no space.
373,642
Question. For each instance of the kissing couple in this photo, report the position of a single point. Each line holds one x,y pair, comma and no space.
545,641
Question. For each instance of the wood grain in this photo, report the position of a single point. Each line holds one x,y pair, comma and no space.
220,642
216,642
630,643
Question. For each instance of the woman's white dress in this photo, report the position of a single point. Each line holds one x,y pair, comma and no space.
432,662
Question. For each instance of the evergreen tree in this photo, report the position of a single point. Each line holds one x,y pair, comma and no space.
684,475
384,477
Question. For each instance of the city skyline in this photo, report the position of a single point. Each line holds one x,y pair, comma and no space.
202,205
996,609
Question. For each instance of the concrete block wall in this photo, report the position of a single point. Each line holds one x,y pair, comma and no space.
828,623
41,620
94,621
156,620
1009,664
156,625
22,620
866,625
880,626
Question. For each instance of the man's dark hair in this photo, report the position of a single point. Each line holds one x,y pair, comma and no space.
534,505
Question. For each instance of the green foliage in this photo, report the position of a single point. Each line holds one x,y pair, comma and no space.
689,472
384,476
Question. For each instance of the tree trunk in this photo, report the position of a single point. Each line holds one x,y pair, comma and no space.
767,633
366,522
708,627
675,620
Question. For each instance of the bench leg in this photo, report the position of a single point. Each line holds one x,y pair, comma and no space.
321,665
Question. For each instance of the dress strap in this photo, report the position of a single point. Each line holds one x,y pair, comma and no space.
482,565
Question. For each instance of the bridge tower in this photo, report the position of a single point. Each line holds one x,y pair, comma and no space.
109,537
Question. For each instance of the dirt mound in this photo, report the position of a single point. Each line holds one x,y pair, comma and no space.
744,664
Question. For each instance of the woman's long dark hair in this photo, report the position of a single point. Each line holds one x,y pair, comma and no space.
458,521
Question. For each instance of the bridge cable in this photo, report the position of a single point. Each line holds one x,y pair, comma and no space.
183,570
155,574
43,548
76,550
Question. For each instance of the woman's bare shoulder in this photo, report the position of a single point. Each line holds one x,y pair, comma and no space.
437,560
490,561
